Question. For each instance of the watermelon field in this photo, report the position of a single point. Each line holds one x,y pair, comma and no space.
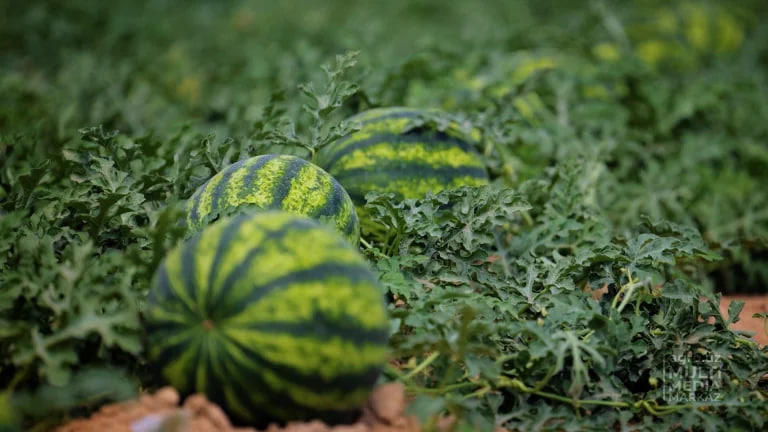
498,215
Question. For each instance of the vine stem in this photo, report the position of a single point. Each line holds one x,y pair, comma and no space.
479,392
444,389
626,290
527,218
483,387
423,365
365,243
746,341
393,371
661,410
515,383
650,406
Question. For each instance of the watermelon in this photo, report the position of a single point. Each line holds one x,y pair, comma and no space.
279,182
385,155
273,316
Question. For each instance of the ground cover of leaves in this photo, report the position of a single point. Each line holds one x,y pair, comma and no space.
385,411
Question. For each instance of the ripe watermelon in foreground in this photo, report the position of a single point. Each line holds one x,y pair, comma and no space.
386,156
278,182
271,315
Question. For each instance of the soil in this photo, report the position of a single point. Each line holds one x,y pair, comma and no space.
753,304
384,412
161,412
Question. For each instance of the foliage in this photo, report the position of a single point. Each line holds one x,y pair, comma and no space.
495,302
620,167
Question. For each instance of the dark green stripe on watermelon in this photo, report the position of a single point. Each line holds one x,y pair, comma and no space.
245,383
227,236
162,286
253,171
349,272
163,291
323,327
216,203
214,360
284,185
194,214
333,206
188,266
351,226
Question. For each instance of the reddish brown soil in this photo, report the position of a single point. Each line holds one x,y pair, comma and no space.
161,412
753,305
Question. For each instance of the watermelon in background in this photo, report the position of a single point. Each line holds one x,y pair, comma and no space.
686,34
391,154
278,182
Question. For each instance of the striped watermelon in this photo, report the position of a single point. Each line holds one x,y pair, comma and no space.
271,315
385,156
274,182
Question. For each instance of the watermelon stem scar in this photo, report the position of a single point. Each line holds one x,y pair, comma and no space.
208,324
